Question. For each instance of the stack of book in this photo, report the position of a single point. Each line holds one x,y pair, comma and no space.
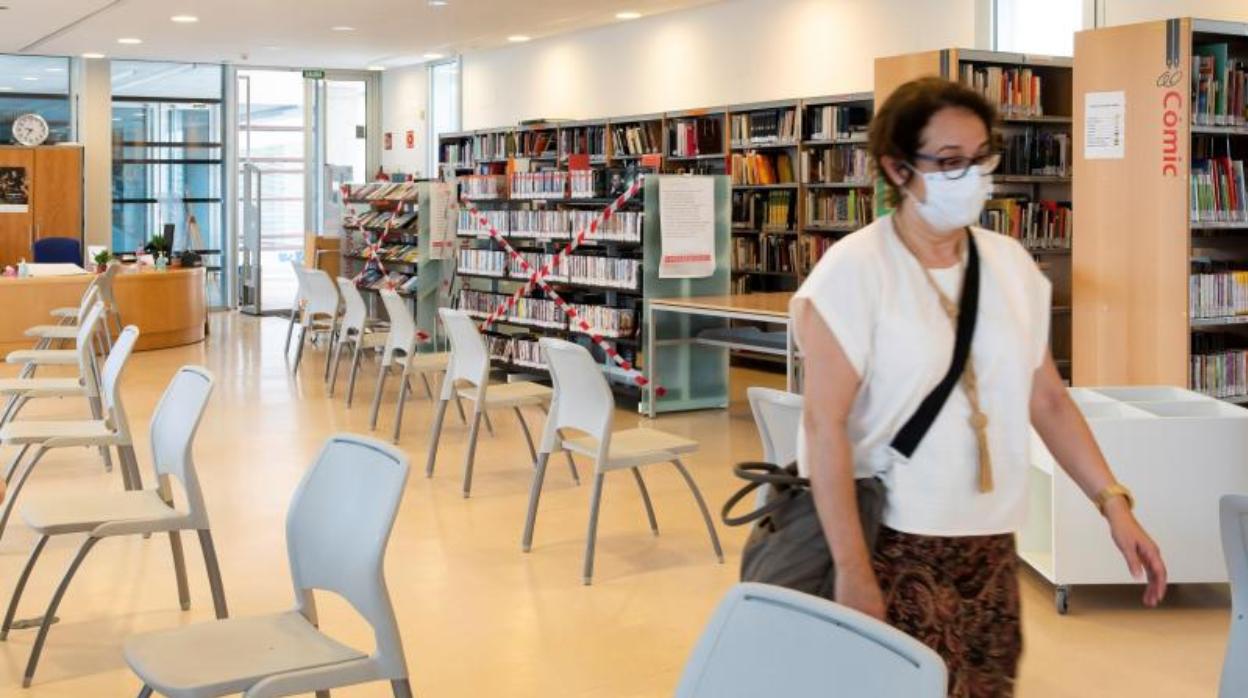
1031,152
480,303
491,146
767,127
779,254
1217,190
470,225
1218,294
551,184
538,261
1014,91
538,312
771,210
526,351
635,140
583,184
457,153
381,191
1219,365
695,137
1219,87
607,321
624,226
1037,224
542,225
836,165
832,122
851,208
537,144
813,247
612,272
583,140
483,262
745,254
483,187
761,168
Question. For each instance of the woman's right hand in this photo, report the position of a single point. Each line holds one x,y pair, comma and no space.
860,591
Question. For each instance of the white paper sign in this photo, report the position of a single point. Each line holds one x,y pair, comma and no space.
1104,125
687,221
442,221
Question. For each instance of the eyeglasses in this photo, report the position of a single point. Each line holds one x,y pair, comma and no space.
956,166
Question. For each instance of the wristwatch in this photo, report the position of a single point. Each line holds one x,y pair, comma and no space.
1111,491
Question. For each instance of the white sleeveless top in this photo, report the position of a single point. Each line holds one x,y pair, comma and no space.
872,293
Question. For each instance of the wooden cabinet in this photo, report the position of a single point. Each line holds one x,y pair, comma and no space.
53,176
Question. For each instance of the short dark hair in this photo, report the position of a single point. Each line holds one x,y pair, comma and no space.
897,128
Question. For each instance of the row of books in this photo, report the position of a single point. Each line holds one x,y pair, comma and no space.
538,261
852,208
696,136
470,225
457,154
813,247
583,140
583,184
612,272
405,254
373,279
1016,92
836,165
379,220
483,187
624,226
1035,152
538,312
1220,374
606,321
762,168
381,191
485,262
634,140
551,184
493,146
765,210
829,122
1219,87
1039,224
533,144
1218,294
1218,190
769,253
764,127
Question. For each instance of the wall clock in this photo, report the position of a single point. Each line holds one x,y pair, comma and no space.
30,130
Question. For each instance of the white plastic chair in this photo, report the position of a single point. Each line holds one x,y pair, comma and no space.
583,401
67,329
296,309
320,313
769,641
103,515
403,329
778,416
21,390
470,363
112,431
355,330
1233,514
336,534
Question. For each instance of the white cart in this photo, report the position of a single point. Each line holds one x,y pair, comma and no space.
1178,451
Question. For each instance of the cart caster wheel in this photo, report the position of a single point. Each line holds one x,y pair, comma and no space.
1062,600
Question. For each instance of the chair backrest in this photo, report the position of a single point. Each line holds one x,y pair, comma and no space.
110,385
769,641
105,283
174,424
1233,513
90,297
320,293
338,527
58,251
470,360
355,311
402,334
582,397
777,415
88,325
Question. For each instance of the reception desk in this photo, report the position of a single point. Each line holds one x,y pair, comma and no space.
167,306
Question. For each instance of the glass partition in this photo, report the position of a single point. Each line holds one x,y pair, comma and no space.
39,85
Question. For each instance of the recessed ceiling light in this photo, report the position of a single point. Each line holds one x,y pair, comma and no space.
272,48
518,38
434,56
5,88
30,78
184,19
92,55
438,3
628,15
55,70
377,68
343,28
130,41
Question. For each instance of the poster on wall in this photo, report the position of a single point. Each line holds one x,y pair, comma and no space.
442,220
14,192
687,224
1104,125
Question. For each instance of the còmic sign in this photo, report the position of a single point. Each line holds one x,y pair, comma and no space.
1170,82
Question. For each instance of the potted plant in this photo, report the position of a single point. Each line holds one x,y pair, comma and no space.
101,259
159,244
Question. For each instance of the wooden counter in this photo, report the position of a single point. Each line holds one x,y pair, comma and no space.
168,307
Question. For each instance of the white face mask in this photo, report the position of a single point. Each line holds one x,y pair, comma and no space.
952,204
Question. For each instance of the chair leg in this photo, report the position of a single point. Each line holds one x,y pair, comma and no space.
576,477
471,455
591,536
333,366
37,648
404,387
21,586
8,473
459,405
179,570
706,514
489,426
290,327
130,462
433,438
97,412
535,495
11,408
303,340
428,388
381,386
334,340
645,499
145,692
11,500
355,371
214,573
402,688
528,438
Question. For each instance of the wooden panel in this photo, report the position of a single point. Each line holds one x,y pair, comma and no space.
1130,261
28,302
15,228
58,194
893,71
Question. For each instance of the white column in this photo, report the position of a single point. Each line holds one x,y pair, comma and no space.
93,95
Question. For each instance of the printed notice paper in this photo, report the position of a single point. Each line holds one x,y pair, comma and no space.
442,221
1104,125
687,222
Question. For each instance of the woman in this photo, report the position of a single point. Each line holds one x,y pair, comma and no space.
875,321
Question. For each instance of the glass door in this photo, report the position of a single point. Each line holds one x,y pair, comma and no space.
342,102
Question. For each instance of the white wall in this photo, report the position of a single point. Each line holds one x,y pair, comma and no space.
731,52
404,93
1131,11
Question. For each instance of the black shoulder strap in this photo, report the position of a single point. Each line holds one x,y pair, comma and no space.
907,440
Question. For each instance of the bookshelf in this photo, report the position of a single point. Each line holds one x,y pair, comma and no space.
1159,275
1031,197
835,171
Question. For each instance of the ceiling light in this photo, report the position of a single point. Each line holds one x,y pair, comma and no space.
628,15
5,88
434,56
55,70
130,41
30,78
92,55
518,38
343,28
272,48
437,3
184,19
377,68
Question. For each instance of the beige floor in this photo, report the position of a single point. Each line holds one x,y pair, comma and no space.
480,618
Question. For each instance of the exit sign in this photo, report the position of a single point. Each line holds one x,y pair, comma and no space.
314,74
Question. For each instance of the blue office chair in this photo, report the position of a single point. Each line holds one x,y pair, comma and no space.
58,251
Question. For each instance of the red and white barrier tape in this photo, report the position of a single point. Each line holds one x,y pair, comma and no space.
538,278
372,254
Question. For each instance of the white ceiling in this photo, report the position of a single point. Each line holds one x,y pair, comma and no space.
298,33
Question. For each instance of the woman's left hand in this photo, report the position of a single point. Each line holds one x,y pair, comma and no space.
1142,554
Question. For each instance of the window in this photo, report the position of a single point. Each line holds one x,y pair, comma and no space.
1037,26
444,113
38,84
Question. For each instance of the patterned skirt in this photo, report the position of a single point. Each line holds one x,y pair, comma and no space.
959,596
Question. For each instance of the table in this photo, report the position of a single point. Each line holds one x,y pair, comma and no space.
758,307
167,306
